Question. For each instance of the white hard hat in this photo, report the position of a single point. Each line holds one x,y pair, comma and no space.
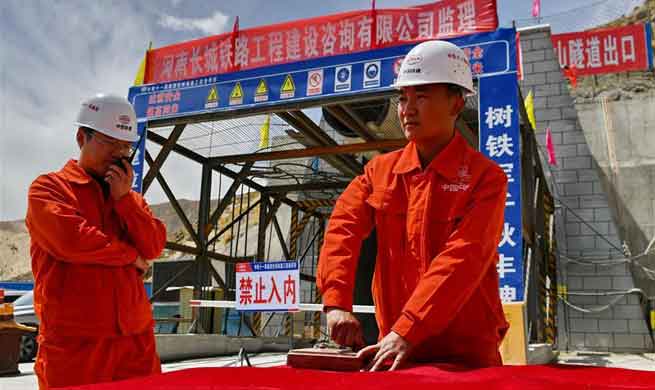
436,62
110,115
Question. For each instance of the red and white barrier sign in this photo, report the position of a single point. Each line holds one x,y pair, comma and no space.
268,286
330,35
604,51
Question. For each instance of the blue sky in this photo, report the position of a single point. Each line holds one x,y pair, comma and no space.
53,54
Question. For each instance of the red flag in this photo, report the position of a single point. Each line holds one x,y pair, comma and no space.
550,148
235,33
536,8
571,74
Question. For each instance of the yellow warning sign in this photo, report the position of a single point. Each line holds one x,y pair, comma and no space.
262,88
261,93
236,97
212,98
288,89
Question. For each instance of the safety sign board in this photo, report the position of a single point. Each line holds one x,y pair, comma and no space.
315,82
343,77
236,96
212,98
288,89
261,93
372,74
269,286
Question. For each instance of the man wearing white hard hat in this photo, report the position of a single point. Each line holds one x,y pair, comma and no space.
91,239
437,206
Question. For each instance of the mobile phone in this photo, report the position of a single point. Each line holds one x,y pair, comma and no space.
127,159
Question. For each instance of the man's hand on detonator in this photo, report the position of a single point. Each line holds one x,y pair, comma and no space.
344,328
391,348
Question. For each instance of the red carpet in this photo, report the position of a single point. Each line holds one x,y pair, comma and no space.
552,377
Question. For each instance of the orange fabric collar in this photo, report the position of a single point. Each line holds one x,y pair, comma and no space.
446,163
74,173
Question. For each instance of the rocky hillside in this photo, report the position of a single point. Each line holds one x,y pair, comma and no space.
620,86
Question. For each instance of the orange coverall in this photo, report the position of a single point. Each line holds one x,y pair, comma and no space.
96,320
435,281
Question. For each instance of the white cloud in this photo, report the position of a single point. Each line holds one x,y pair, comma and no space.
46,69
212,25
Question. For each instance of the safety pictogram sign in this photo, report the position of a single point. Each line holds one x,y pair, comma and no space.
315,82
261,93
236,96
212,98
288,89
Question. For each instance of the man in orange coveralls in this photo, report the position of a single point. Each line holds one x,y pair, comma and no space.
91,237
438,209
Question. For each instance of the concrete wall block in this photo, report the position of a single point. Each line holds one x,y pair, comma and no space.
602,242
536,35
580,215
598,340
574,283
574,137
602,215
576,163
569,113
564,125
632,341
554,76
567,151
547,90
559,101
584,325
546,66
629,312
618,269
580,243
588,174
548,114
613,326
527,68
582,300
622,282
540,102
594,228
542,44
583,150
526,45
580,269
534,56
566,176
594,201
603,315
570,201
578,189
638,326
533,79
572,228
597,283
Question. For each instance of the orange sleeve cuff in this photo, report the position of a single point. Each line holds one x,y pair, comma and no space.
334,297
409,329
126,204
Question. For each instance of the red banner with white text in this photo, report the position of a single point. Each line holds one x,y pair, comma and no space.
610,50
324,36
